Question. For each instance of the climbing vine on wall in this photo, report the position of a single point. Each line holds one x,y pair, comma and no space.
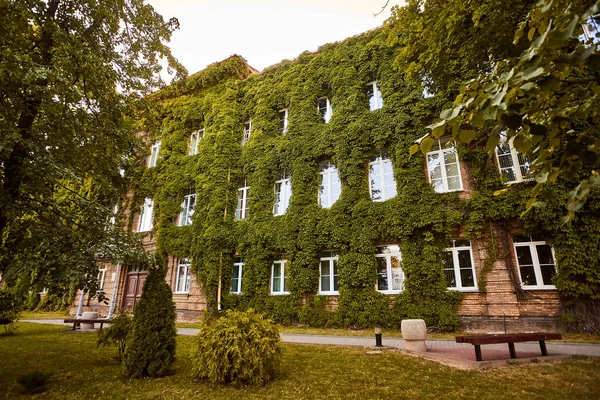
225,95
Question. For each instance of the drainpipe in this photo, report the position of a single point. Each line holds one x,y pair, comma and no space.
113,298
80,307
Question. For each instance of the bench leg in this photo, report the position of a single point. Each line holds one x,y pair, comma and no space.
511,349
101,325
478,353
543,348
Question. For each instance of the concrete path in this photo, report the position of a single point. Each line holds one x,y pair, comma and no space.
439,346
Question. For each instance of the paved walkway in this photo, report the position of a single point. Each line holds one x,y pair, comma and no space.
438,348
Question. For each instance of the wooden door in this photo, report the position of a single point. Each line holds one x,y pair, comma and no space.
134,283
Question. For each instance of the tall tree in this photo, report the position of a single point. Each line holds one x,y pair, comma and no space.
541,91
70,73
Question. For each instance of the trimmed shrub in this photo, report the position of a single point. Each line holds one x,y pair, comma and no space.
241,347
116,334
10,309
152,341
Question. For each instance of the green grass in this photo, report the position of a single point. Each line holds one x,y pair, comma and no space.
80,370
44,315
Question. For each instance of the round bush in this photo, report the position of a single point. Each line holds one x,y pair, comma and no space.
241,347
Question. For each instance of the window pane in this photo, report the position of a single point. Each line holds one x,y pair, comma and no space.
524,255
544,254
454,183
435,170
548,272
525,262
528,275
382,280
448,263
397,275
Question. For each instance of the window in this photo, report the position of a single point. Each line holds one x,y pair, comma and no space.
381,179
442,163
194,140
113,217
458,265
247,131
329,282
536,262
154,154
101,279
591,28
279,276
241,210
374,95
283,193
330,189
283,120
236,276
187,210
182,285
390,277
325,109
145,222
513,166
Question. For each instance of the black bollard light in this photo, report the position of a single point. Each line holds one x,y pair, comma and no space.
378,342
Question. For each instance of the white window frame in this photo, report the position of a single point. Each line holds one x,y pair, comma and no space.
441,153
283,270
183,263
456,266
380,163
187,210
194,140
239,264
284,195
325,116
516,164
328,170
394,251
241,208
376,100
532,244
101,279
146,222
113,218
247,131
154,153
591,27
283,129
331,258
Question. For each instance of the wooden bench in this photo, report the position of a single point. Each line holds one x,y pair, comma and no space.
511,339
77,321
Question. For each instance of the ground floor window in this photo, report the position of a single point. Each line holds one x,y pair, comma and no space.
182,284
236,276
390,277
279,276
329,282
536,262
458,265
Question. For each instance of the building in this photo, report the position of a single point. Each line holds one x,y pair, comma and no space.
292,191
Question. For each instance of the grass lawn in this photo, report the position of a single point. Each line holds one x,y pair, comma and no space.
81,370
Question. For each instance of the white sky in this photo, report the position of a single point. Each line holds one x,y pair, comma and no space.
264,32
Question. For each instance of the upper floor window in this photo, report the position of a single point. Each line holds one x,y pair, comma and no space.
283,120
145,222
330,189
283,194
325,109
279,276
443,167
536,262
194,140
187,210
374,95
247,131
236,275
591,28
458,265
513,166
154,154
101,278
113,217
390,277
381,179
241,210
182,284
329,282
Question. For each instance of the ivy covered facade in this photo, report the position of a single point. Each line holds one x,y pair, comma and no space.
292,191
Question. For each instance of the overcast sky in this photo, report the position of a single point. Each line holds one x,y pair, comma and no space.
264,32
